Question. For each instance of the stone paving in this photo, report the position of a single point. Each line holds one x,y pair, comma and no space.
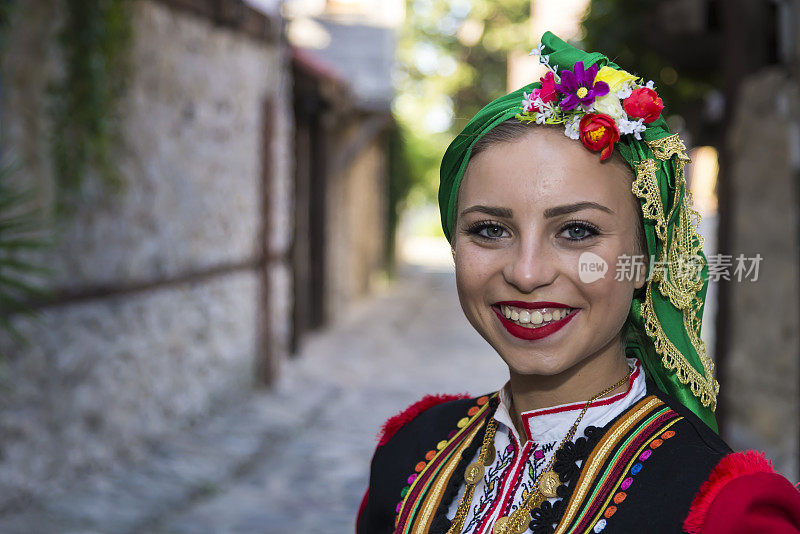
295,458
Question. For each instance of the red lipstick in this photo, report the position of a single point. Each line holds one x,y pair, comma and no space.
540,332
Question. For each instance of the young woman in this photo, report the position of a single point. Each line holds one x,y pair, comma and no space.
577,259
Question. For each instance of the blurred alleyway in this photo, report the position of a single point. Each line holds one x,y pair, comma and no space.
294,459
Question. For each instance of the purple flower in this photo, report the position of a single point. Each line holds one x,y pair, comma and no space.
579,86
538,454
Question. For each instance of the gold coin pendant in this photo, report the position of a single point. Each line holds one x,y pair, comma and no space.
474,472
490,456
537,499
549,483
500,526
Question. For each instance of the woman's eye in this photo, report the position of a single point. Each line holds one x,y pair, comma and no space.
578,231
491,231
488,231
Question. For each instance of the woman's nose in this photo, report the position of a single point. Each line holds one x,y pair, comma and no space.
531,265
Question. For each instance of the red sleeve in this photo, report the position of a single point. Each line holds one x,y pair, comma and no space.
395,423
743,495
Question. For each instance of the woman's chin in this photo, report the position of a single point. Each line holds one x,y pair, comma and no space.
540,367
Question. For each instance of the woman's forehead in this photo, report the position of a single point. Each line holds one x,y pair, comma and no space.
541,169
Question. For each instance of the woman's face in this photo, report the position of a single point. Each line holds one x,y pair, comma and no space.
537,218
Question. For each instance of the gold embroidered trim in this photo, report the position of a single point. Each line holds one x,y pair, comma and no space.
646,187
672,359
681,255
666,147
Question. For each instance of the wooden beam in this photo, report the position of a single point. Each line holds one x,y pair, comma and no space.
233,14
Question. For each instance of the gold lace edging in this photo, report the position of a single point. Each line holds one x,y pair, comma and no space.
646,187
681,255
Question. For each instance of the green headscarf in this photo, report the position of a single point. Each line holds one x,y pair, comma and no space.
666,313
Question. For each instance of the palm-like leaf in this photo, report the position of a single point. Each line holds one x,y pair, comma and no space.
21,233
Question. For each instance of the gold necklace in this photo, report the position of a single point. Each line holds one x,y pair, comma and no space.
545,484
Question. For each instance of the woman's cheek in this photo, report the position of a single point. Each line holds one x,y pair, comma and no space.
476,262
595,271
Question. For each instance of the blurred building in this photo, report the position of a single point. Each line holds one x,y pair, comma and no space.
253,210
754,123
343,52
759,209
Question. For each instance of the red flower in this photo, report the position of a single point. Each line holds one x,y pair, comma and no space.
643,103
548,93
598,132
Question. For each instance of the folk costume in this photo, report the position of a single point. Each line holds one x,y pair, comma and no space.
645,460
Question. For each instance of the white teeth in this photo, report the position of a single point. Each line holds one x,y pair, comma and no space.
534,317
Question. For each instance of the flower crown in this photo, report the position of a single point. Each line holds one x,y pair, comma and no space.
595,105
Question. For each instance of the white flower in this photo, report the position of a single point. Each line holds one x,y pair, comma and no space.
527,103
572,127
546,110
538,50
628,127
542,117
610,105
650,85
625,92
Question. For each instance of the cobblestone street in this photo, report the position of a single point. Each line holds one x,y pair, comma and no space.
296,458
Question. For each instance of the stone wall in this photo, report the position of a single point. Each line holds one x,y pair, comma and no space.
762,391
174,294
357,220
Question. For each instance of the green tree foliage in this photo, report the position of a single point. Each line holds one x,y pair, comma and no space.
452,60
633,34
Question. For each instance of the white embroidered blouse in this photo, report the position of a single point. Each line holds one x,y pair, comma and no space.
516,467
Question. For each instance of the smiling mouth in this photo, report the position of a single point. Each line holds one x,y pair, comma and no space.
536,318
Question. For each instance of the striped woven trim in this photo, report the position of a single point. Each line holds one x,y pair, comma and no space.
410,506
430,504
620,465
592,469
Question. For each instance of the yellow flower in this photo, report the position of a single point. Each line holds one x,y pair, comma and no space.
616,79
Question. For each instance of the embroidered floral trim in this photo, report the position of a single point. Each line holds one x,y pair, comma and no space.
568,463
492,484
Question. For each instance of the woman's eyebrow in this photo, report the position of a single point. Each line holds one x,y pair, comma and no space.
578,206
489,210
